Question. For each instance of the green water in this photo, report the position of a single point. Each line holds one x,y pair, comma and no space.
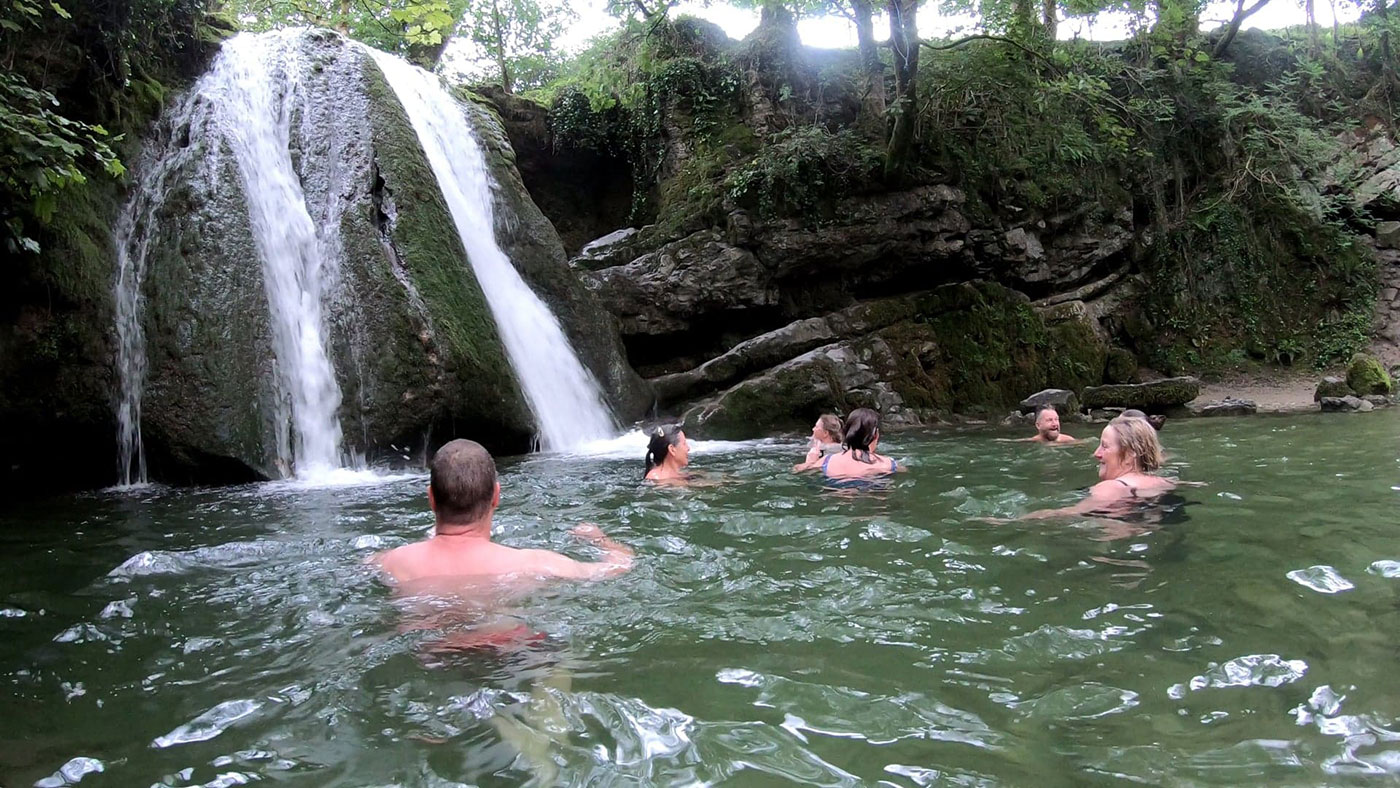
771,633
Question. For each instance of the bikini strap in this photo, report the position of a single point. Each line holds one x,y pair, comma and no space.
893,466
826,460
1131,488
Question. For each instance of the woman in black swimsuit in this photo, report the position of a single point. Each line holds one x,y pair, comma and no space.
1128,454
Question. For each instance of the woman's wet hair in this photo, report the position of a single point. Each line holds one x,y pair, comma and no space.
832,424
862,428
1137,437
659,447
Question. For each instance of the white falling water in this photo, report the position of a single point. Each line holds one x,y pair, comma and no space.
567,402
250,94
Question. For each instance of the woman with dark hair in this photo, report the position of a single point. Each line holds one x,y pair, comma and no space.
667,455
826,441
859,459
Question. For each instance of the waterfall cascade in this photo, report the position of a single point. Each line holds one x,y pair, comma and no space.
249,115
566,400
249,96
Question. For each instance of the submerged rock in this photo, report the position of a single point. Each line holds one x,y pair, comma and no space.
1150,396
1338,404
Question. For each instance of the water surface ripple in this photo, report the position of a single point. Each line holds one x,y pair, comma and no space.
773,632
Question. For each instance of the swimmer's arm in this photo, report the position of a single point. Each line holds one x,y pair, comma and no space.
1101,496
617,557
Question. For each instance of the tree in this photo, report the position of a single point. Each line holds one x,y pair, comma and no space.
517,36
418,29
904,43
1241,13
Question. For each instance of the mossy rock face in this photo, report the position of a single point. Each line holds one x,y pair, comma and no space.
1366,375
1121,367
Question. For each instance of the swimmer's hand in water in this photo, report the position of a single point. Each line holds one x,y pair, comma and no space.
589,531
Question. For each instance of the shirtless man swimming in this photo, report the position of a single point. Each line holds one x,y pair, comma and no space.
1047,428
463,494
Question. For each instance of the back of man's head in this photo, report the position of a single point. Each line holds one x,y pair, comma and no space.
463,482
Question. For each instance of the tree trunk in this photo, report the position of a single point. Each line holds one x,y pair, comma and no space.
904,42
1241,13
1050,17
1314,34
501,46
874,101
1022,20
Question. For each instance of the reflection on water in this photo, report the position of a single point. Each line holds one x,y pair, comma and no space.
772,632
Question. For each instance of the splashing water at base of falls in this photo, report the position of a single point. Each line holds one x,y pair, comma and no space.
568,405
250,95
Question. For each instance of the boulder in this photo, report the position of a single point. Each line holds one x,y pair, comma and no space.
1377,400
1388,235
1339,404
1226,407
1018,419
671,290
615,248
1154,395
1062,400
1365,375
834,378
1331,386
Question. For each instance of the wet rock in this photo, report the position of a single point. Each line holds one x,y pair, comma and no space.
838,377
700,277
615,248
1121,367
1365,375
1018,419
1062,400
1377,400
1151,396
1331,386
1226,407
1347,403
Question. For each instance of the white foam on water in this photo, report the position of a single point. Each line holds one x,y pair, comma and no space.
71,773
1322,579
209,724
1388,569
633,445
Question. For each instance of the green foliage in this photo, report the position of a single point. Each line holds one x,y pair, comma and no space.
517,37
407,27
800,171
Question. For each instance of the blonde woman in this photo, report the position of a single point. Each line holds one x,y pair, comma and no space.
826,441
1127,455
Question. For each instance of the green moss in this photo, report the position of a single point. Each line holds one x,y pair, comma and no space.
1121,367
428,245
1365,375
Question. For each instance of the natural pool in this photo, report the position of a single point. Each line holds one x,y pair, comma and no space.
772,632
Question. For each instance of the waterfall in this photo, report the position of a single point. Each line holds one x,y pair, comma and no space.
567,403
249,96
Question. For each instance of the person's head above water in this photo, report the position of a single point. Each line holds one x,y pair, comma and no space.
667,447
1155,421
1128,445
1047,423
828,428
862,433
462,487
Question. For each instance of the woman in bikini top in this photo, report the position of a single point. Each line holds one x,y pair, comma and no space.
859,460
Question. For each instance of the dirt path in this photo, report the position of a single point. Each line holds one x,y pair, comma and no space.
1274,391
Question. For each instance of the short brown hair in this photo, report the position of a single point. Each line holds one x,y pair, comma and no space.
1137,437
463,481
832,424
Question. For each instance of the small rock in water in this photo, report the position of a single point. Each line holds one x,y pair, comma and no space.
1226,407
1322,579
1378,400
1341,404
1062,400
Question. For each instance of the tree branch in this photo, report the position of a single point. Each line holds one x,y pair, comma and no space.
1003,40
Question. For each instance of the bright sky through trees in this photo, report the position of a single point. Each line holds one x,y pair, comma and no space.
836,32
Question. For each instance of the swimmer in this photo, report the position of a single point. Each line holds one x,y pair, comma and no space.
826,441
1047,427
1157,422
667,455
1127,455
463,493
859,459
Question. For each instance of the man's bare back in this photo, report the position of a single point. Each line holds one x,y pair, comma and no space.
473,554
